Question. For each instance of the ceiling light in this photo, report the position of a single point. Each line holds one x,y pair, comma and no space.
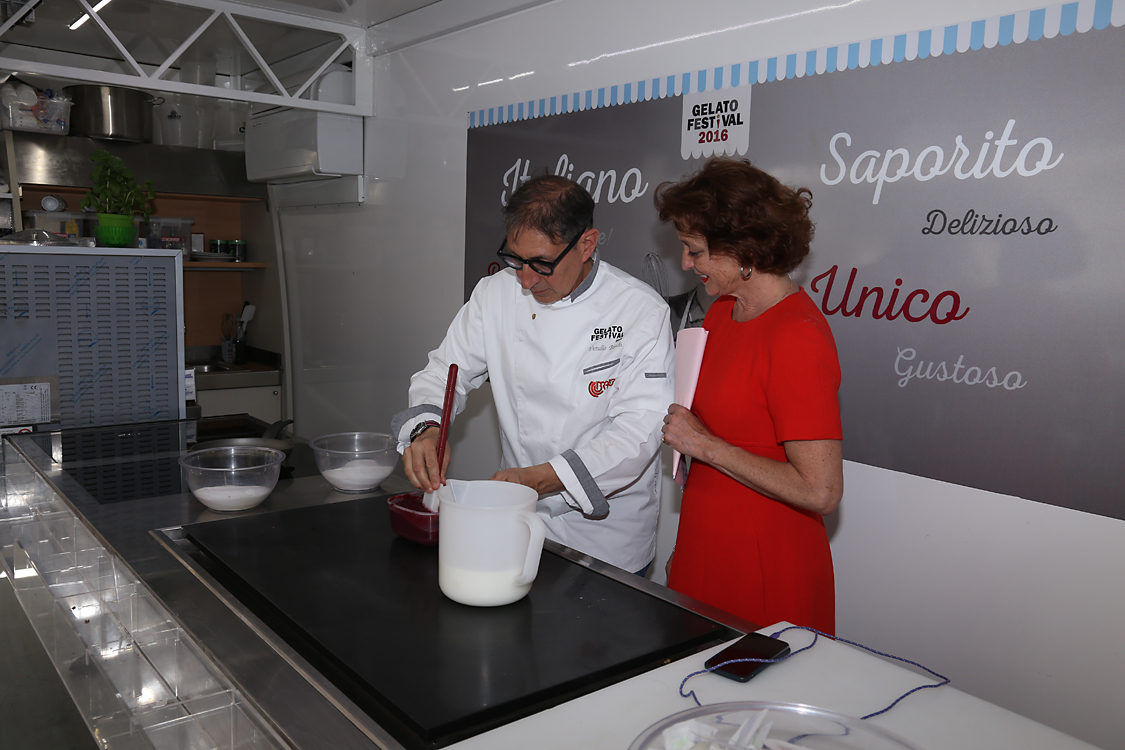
701,34
86,17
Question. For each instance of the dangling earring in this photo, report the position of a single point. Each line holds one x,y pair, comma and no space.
744,274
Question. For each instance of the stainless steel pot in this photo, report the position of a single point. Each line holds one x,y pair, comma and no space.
111,112
271,438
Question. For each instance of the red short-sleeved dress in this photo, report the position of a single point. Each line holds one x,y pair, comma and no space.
762,382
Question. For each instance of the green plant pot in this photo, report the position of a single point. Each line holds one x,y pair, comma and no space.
115,230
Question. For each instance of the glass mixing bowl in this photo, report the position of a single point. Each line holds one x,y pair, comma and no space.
355,461
232,477
760,724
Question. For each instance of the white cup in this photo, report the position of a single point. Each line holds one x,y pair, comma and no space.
490,541
51,203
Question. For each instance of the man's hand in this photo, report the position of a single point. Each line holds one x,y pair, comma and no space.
541,478
420,461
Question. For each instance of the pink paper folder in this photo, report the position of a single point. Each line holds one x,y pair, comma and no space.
690,344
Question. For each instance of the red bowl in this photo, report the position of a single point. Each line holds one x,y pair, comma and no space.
411,520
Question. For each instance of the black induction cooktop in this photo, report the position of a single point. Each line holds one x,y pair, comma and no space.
139,461
363,605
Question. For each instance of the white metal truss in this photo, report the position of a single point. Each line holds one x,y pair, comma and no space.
353,37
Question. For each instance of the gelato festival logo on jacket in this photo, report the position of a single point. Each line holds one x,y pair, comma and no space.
609,332
598,387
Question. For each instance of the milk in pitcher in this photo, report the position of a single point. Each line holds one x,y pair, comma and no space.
481,588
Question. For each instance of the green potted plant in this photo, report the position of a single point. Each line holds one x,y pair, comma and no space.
117,198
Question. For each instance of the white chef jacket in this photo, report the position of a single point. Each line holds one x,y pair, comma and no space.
583,383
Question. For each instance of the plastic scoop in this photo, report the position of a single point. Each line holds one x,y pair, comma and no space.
430,499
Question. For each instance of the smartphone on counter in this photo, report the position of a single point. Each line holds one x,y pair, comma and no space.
752,646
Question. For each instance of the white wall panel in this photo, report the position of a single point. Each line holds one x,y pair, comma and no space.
1019,603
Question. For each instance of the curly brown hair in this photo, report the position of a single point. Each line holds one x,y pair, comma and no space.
742,212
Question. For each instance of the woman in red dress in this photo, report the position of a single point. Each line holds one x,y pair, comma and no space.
764,430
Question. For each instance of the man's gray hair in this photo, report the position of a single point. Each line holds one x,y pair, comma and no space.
555,206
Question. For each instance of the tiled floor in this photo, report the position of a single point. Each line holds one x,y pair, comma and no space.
35,709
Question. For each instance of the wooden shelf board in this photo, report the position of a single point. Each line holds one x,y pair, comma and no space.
200,265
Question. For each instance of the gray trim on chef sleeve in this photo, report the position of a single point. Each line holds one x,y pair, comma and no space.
399,420
593,493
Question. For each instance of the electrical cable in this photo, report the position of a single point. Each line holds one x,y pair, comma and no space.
816,634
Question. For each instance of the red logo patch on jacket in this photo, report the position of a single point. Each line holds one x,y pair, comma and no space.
598,387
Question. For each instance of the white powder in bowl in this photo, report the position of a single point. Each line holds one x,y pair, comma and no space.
362,474
231,497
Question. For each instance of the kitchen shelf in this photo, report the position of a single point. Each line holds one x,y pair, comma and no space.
209,265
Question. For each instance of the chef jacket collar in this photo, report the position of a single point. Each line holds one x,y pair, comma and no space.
588,281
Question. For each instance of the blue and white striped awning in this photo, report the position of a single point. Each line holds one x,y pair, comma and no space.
1025,26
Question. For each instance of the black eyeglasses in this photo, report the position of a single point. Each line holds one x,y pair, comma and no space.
540,266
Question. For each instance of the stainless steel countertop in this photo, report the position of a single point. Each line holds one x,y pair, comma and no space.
251,375
292,703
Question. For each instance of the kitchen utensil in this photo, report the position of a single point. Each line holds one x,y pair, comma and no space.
271,438
186,120
490,544
247,315
229,326
411,520
274,430
755,723
112,112
355,461
443,432
232,477
283,445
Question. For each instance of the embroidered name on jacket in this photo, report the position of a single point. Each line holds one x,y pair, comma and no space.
598,387
609,332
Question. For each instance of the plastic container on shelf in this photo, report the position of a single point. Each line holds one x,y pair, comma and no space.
187,120
44,116
169,232
73,224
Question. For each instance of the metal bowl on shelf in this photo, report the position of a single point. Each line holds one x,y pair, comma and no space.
271,439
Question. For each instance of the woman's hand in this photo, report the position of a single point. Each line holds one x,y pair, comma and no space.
686,433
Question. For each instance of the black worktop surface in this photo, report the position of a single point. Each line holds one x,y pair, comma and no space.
364,605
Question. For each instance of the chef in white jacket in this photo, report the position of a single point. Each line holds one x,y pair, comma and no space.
580,359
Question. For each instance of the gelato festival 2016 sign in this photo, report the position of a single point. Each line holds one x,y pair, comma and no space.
967,251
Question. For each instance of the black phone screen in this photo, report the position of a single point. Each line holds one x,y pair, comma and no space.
752,646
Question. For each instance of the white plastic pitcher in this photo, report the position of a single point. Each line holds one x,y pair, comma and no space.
490,541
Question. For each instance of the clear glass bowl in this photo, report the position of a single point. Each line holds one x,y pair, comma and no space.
355,461
726,726
233,477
